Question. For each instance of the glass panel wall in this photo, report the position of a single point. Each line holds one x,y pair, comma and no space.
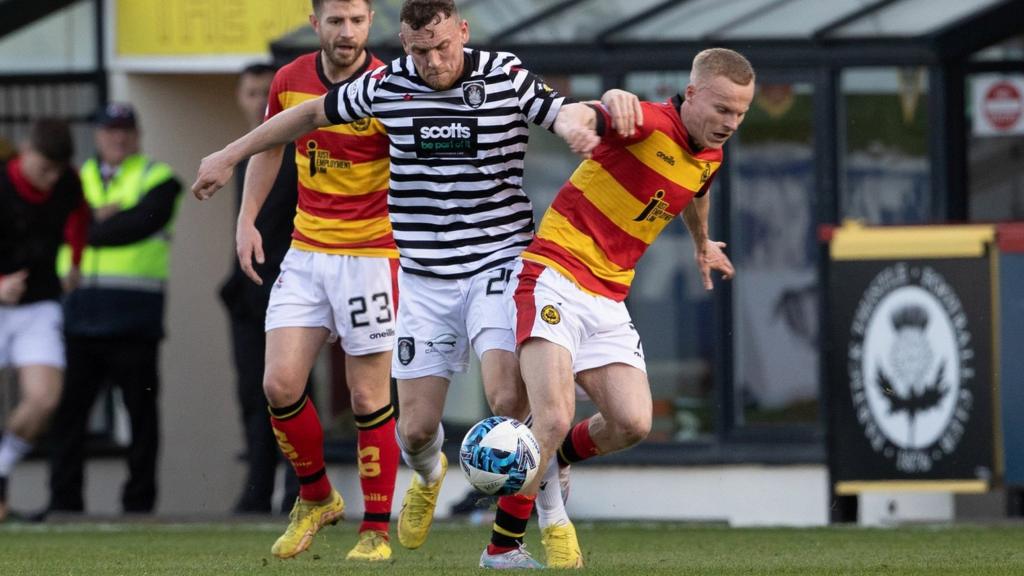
886,177
773,246
62,42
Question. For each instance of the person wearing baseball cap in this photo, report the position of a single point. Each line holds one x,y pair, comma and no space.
114,320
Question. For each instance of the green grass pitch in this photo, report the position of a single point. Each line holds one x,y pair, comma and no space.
141,549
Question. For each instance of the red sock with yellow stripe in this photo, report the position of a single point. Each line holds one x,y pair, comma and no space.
378,466
301,438
578,445
510,523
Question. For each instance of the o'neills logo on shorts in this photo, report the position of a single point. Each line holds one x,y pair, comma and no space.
550,314
911,366
445,137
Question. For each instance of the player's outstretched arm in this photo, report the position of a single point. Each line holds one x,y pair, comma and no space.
576,124
259,181
709,253
215,169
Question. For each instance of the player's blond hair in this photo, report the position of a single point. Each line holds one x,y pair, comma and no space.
721,62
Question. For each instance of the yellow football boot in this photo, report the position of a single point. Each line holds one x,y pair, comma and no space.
306,519
563,549
373,546
417,513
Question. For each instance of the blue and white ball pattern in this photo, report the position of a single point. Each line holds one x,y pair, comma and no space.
499,455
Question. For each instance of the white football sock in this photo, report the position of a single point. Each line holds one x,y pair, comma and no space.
550,507
12,450
426,462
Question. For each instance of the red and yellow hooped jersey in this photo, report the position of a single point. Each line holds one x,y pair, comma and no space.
616,203
343,170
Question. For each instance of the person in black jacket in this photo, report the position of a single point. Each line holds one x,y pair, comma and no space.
114,320
41,205
246,303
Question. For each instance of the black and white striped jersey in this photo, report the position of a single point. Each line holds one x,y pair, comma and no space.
456,199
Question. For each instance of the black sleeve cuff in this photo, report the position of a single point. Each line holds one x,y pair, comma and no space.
331,106
601,126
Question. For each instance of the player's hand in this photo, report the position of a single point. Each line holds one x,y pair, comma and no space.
625,111
249,247
71,281
101,213
214,173
582,141
575,125
12,286
711,257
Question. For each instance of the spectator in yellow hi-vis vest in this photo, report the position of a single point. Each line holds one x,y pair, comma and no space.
114,319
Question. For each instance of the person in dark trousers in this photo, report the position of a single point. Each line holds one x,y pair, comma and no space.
41,205
114,320
246,303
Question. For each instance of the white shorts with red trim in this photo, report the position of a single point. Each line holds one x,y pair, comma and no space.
439,320
352,296
596,330
32,335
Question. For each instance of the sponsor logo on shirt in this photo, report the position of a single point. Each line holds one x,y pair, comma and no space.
656,208
445,137
320,161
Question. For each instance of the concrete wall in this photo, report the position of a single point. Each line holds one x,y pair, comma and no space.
183,118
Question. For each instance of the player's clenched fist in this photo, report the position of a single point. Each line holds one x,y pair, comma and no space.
214,173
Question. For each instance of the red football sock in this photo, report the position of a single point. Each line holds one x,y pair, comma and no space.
301,439
578,445
510,523
378,466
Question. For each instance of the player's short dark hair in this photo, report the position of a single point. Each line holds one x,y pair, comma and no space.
258,69
318,5
52,138
419,13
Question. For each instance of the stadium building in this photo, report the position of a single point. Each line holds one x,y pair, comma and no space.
893,113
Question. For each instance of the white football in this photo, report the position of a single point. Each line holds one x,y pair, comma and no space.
499,455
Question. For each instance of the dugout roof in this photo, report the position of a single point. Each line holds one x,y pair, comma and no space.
614,36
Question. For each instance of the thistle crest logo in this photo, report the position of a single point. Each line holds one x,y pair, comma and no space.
910,365
474,93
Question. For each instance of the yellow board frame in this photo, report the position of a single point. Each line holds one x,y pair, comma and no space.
853,241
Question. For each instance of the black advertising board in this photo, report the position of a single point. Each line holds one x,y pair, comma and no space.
910,369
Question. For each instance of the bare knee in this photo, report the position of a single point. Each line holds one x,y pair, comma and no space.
508,402
282,391
416,435
550,430
633,429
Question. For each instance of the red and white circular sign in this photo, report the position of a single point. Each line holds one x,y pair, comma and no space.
1003,105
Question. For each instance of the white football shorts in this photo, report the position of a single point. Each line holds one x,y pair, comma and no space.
440,319
352,296
596,330
32,335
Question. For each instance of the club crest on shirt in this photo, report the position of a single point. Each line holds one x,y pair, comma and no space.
406,350
474,93
550,314
361,124
706,173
